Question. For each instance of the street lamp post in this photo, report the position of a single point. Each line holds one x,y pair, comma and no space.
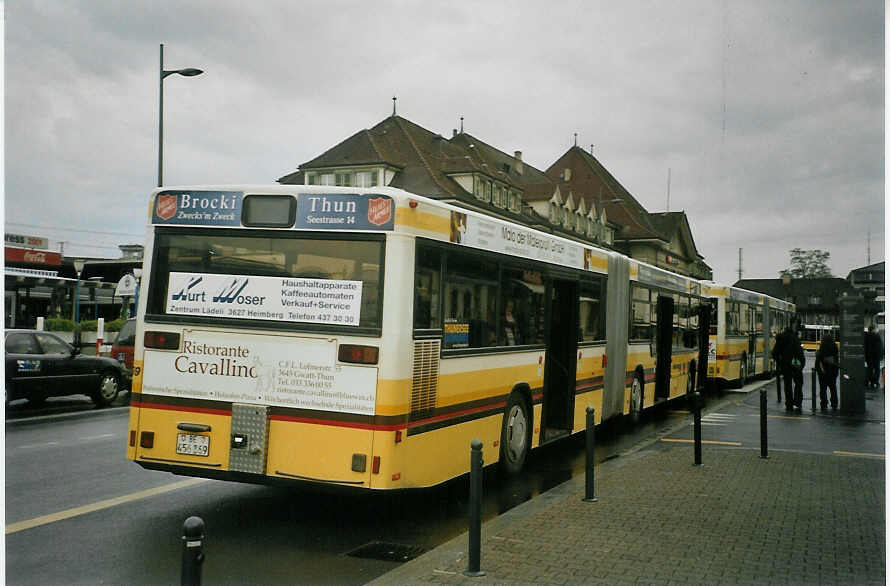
187,72
78,267
138,274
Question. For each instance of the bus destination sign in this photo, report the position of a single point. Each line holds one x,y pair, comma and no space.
351,211
205,208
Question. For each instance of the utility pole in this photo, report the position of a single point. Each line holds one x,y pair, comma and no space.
740,264
868,249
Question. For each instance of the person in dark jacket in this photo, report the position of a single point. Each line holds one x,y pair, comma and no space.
827,366
790,360
874,352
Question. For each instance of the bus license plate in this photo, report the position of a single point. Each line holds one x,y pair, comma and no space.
193,445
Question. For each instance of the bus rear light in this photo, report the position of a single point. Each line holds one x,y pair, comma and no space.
161,340
398,436
358,354
132,438
605,360
147,439
412,203
375,465
397,476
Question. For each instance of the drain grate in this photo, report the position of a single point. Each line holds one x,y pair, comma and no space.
388,552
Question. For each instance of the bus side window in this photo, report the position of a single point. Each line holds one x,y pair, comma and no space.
470,301
427,282
522,307
592,310
640,324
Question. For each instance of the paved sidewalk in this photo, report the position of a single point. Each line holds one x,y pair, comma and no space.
795,518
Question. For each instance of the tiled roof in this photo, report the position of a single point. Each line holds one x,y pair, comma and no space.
594,183
669,223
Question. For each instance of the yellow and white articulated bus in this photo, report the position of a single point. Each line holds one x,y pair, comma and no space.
363,337
743,330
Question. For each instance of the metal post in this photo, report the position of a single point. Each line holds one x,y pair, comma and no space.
590,445
813,387
779,386
474,555
192,551
763,443
696,414
161,122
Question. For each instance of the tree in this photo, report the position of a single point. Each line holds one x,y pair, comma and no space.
807,264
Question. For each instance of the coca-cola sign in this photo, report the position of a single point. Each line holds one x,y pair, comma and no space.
33,257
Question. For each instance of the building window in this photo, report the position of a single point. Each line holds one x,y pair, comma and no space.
366,179
327,179
343,179
310,179
554,213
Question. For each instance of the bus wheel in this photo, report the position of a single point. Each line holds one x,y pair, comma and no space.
108,389
636,399
514,436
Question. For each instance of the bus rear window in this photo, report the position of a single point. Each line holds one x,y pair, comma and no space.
280,278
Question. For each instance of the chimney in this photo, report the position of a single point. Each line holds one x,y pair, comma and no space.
453,132
517,156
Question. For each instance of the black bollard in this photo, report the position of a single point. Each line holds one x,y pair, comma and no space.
696,416
779,386
474,555
590,445
192,551
813,387
763,444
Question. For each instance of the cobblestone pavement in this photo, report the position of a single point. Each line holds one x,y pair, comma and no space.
795,518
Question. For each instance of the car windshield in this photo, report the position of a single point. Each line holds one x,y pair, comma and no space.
127,335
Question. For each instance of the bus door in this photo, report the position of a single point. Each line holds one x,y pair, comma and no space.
752,338
664,340
562,346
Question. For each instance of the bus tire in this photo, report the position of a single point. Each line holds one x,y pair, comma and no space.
515,435
636,399
108,389
743,372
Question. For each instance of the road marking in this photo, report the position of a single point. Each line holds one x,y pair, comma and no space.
108,503
793,417
95,437
689,441
859,454
43,445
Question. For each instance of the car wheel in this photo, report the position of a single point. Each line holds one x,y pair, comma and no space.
514,436
109,387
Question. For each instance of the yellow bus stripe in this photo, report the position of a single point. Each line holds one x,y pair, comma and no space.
98,506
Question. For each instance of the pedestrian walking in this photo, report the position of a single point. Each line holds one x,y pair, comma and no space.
790,360
874,352
827,367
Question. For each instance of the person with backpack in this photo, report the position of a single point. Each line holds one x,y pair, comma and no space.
827,367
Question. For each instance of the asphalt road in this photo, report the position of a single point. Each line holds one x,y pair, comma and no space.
78,512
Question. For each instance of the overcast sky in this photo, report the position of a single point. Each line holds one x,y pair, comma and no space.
769,115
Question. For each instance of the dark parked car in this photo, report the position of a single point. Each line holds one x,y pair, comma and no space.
41,365
122,349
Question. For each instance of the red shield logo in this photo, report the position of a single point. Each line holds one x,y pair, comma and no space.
379,210
166,206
